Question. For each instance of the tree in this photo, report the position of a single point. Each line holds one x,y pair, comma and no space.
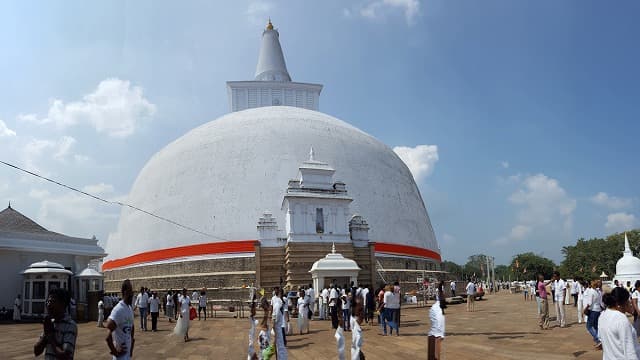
526,266
503,272
589,258
476,266
454,270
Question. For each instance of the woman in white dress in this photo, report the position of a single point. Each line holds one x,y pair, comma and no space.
356,331
182,325
17,308
303,313
619,338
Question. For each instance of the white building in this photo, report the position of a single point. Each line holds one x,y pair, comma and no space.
24,243
220,177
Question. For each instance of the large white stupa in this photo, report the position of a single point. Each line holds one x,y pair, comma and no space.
220,178
628,267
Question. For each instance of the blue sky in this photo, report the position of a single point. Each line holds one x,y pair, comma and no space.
529,108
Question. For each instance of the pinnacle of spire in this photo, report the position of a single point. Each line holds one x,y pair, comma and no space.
271,64
333,248
627,248
311,154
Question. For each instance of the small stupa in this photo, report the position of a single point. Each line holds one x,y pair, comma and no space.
628,267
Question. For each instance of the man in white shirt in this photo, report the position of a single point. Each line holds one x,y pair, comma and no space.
560,287
436,315
312,299
154,309
592,302
202,304
170,306
575,288
141,303
324,300
121,328
471,296
364,292
453,288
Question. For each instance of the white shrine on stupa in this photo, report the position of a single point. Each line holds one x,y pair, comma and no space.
628,267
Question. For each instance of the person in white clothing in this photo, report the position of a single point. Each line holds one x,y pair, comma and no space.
202,304
635,301
142,302
619,338
121,327
17,308
100,313
471,296
154,309
453,288
311,294
575,289
182,325
323,301
170,306
559,287
436,316
580,302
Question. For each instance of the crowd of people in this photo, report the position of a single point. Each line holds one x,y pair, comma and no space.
349,307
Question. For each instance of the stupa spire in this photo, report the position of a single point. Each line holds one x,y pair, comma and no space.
627,248
271,64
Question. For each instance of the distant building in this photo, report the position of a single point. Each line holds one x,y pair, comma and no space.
34,260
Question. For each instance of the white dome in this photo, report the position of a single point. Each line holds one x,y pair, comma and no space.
628,265
334,261
220,177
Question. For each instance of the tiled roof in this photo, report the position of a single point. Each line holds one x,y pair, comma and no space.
12,220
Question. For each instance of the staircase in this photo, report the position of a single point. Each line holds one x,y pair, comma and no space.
299,257
272,267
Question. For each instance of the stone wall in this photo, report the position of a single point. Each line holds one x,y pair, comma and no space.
226,273
227,278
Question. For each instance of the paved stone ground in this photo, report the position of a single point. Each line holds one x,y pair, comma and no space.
503,327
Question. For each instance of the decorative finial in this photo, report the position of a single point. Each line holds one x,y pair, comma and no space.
311,154
333,248
269,25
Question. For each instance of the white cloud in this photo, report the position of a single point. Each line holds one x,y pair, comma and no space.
115,108
612,202
98,189
543,205
505,164
448,239
29,118
620,221
75,214
346,12
258,12
519,232
5,131
59,150
420,159
379,8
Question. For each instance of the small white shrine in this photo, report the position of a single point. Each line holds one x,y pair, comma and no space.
628,267
333,266
88,279
40,278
